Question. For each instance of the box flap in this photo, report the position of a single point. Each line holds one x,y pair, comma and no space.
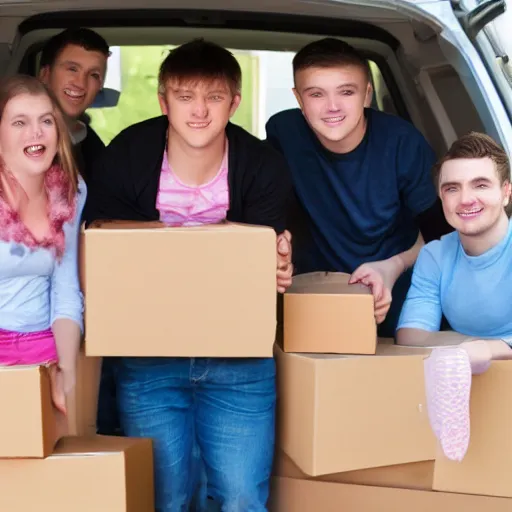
326,283
74,445
128,225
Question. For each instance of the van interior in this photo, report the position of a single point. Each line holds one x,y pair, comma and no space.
419,70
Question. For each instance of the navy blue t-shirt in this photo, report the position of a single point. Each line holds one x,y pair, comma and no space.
361,206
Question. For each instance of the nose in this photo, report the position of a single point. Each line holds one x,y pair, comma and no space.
200,108
79,80
37,131
467,196
332,103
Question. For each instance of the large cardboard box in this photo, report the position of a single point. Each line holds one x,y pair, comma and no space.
100,474
30,426
187,292
344,413
417,475
324,314
291,495
487,466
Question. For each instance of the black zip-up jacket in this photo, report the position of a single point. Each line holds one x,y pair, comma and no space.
123,184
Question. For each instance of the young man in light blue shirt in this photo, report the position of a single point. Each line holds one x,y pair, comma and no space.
466,277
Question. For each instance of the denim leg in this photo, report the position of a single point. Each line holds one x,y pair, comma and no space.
108,423
156,401
235,423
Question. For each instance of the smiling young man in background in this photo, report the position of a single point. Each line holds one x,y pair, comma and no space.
361,177
73,66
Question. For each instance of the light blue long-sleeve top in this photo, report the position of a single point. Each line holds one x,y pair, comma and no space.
473,292
36,289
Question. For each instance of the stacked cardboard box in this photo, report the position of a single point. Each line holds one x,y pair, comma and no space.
205,291
353,429
53,461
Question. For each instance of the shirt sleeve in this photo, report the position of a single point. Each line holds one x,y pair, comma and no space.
272,136
415,161
422,307
66,297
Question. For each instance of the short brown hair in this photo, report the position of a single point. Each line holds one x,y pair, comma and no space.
329,53
476,145
198,61
16,85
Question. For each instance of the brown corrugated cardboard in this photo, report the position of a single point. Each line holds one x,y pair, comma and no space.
82,404
29,426
417,475
100,474
344,413
324,314
289,495
487,466
203,291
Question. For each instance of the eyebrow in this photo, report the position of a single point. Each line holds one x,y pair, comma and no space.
190,91
78,65
473,181
342,86
46,114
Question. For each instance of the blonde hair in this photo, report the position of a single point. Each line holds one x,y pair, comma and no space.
23,84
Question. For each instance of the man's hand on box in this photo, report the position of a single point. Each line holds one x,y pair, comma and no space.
284,261
380,277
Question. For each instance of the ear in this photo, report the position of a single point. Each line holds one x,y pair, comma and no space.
507,188
162,101
368,96
298,98
44,74
235,103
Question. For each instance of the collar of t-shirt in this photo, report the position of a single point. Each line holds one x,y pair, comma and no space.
79,133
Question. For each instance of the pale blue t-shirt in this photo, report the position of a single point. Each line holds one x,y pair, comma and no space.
35,289
473,292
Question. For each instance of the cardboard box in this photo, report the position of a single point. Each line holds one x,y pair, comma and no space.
324,314
182,292
290,495
100,474
29,426
487,466
83,403
344,413
417,475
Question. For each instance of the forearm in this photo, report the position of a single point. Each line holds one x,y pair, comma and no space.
410,256
67,335
422,338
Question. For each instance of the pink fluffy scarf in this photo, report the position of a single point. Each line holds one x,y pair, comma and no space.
60,211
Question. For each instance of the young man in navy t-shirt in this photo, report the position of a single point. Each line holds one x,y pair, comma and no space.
361,177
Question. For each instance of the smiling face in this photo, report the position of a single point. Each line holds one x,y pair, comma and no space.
75,78
198,112
473,196
28,135
333,100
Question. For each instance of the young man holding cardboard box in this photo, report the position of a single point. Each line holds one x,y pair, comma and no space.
192,167
361,178
465,276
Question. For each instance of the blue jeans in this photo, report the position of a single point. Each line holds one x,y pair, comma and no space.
221,409
108,417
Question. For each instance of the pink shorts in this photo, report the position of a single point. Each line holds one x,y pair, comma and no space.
28,348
